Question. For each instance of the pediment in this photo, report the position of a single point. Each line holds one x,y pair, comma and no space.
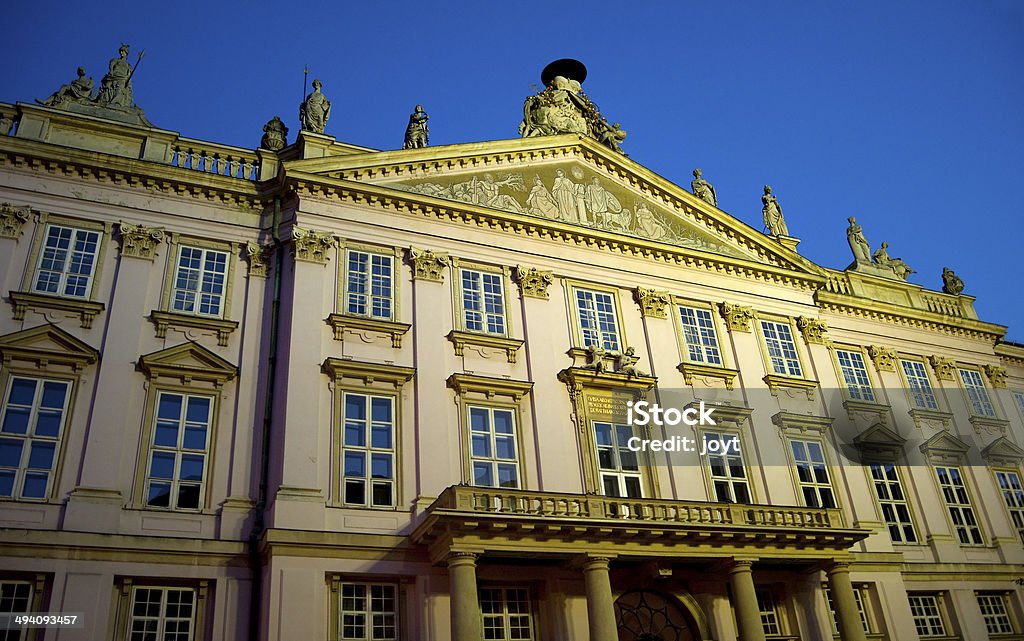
945,447
186,363
564,181
1002,451
879,435
47,345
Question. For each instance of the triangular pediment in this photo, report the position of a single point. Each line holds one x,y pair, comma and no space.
564,181
945,447
879,442
47,345
1003,451
187,362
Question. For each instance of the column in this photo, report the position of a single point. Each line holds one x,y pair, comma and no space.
600,604
465,602
748,616
845,604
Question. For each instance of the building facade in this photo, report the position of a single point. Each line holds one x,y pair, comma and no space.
318,391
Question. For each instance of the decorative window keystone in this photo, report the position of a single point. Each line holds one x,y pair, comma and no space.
815,330
138,241
533,282
12,219
737,317
883,357
311,246
652,302
428,265
944,368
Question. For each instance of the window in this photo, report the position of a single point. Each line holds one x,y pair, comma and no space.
1013,496
993,611
34,413
812,473
895,510
67,261
167,614
927,613
859,597
368,450
855,375
180,448
15,598
920,388
958,503
699,336
1018,398
506,613
483,302
492,436
728,476
769,613
618,466
977,395
778,338
597,319
368,611
200,281
369,285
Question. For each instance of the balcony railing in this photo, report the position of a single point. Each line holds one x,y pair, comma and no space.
211,158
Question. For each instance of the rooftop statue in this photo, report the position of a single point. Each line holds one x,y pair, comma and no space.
275,134
858,243
772,212
951,283
703,189
416,133
563,108
898,267
315,110
78,90
116,86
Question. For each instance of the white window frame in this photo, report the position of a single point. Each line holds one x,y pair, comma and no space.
995,613
978,400
504,620
699,336
780,348
889,493
597,313
1011,487
919,386
372,614
771,621
725,480
376,279
371,450
484,445
860,597
67,258
854,370
1018,398
958,504
928,614
12,603
809,470
191,299
31,441
482,301
179,451
618,456
162,619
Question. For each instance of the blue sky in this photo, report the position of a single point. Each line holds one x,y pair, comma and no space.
908,115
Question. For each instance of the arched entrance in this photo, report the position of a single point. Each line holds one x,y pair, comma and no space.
649,616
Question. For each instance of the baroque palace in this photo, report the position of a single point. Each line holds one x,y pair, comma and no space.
320,391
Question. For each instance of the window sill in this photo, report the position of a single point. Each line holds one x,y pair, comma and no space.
86,310
930,418
692,370
341,322
485,341
777,382
165,320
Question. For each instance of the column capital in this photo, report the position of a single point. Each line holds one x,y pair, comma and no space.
741,565
462,557
595,561
838,566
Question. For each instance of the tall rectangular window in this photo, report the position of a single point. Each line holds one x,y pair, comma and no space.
493,451
199,281
927,614
15,598
958,504
162,613
993,611
920,388
1018,398
769,613
860,598
728,475
778,338
368,612
977,395
34,413
483,302
893,502
368,450
67,261
855,375
597,320
812,472
179,452
506,613
369,285
699,336
1013,496
618,466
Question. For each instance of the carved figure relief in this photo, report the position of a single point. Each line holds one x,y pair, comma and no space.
951,283
315,110
595,358
416,133
625,363
858,243
772,212
533,282
78,90
428,265
881,257
703,189
116,86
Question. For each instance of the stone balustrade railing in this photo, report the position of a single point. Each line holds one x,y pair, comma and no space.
588,506
211,158
944,304
8,119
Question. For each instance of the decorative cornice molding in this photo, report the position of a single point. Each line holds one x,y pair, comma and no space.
690,371
86,310
138,241
219,326
464,383
533,282
485,341
652,302
342,322
368,373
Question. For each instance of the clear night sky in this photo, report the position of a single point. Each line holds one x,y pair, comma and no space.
909,115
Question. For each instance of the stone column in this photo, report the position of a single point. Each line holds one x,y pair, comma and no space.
465,603
600,604
748,616
844,602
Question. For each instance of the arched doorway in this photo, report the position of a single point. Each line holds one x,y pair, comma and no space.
649,616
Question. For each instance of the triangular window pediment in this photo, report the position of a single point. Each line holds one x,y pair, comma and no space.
945,448
187,362
879,442
1002,451
47,345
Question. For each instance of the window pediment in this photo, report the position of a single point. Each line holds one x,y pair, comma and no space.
801,423
1002,451
188,363
878,442
945,448
47,345
488,386
367,373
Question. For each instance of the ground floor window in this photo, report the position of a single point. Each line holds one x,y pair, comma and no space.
506,613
